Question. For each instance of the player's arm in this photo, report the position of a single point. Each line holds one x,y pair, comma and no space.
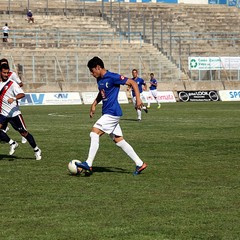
17,97
135,88
95,103
16,79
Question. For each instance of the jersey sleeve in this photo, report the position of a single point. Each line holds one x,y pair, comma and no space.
14,77
119,79
16,89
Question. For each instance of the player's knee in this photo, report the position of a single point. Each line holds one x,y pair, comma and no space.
24,133
117,139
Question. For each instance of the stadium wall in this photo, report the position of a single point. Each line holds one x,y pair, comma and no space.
228,2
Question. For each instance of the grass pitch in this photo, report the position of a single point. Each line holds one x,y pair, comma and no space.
190,189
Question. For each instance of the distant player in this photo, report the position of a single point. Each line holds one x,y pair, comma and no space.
141,86
10,93
153,90
109,86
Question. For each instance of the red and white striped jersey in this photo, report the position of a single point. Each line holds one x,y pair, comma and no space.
9,89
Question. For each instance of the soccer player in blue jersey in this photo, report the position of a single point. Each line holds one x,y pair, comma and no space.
153,90
109,86
140,82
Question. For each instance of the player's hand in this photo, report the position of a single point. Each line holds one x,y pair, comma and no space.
11,100
92,111
139,104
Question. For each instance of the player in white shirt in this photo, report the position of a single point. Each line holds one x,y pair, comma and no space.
14,77
10,92
5,32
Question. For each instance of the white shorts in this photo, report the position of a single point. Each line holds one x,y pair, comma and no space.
109,124
154,93
134,99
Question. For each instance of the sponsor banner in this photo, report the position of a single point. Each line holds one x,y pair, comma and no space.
89,97
229,95
163,96
213,1
214,63
198,96
232,2
54,98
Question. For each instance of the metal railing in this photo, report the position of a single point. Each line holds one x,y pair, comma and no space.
59,38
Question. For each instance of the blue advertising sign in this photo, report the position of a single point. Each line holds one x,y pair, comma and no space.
167,1
212,1
232,2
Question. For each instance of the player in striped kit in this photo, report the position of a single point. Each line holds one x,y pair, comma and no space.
14,77
10,92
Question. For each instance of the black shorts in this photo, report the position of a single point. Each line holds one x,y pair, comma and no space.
16,122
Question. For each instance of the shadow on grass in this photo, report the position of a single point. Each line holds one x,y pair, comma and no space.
101,169
110,169
12,158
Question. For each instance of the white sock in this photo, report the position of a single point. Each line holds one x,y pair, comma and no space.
94,145
11,141
139,114
127,148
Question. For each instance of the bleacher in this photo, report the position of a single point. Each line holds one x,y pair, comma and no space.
53,51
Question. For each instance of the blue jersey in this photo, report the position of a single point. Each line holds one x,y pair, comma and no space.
109,86
153,87
140,82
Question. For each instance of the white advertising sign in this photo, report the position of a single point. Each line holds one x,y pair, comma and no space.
89,97
54,98
214,63
229,95
163,96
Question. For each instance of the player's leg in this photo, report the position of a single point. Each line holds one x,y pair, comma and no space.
149,99
97,131
155,95
94,145
5,127
19,125
4,137
117,137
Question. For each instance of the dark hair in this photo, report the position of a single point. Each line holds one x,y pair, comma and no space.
3,60
151,74
4,66
92,63
134,70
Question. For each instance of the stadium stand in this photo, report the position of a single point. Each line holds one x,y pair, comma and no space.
153,37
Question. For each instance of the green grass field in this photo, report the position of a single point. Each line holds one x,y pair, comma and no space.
190,189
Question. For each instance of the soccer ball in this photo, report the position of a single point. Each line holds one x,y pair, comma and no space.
73,169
